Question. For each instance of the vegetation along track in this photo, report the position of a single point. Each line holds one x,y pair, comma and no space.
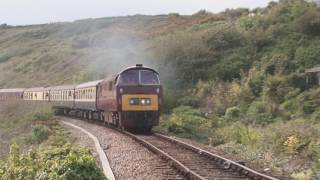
193,162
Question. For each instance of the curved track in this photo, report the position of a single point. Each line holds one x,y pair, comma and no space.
195,163
191,162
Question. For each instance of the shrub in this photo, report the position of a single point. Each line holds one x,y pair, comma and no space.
275,89
305,175
232,113
65,162
238,133
308,101
307,56
43,114
185,119
259,114
292,144
316,116
40,133
297,81
256,85
309,23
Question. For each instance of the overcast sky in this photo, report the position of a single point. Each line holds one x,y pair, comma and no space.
20,12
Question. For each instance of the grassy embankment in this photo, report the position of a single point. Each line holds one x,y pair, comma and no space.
34,146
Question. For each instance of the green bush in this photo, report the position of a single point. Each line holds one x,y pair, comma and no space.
256,85
275,89
40,133
43,114
238,133
309,101
64,162
258,113
308,56
185,119
232,113
309,23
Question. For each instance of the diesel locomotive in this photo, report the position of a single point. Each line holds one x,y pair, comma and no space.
129,100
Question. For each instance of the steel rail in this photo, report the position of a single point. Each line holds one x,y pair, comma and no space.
252,174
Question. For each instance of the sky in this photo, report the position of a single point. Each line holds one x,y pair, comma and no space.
23,12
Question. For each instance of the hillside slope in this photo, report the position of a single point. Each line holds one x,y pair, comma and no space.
83,50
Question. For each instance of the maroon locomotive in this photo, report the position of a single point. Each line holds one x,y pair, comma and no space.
130,100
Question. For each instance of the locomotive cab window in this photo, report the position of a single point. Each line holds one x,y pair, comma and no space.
130,77
149,77
139,77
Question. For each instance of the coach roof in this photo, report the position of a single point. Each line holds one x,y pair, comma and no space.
37,89
16,90
66,87
89,84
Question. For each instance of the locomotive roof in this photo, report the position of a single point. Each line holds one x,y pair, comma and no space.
65,87
88,84
138,67
16,90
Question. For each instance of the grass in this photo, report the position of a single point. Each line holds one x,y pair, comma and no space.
34,146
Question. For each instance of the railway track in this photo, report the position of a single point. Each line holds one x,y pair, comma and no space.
195,163
190,162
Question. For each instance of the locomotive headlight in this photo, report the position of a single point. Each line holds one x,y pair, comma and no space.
131,101
121,90
158,90
134,101
143,101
